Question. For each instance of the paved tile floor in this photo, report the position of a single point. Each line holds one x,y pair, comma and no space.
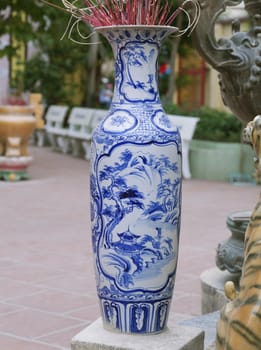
47,288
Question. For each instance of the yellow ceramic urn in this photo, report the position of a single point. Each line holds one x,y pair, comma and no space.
16,125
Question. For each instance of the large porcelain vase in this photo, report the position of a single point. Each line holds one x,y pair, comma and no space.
136,189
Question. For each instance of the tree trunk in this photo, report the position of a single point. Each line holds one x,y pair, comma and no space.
92,60
173,56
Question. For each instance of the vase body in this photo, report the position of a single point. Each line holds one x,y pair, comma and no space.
135,190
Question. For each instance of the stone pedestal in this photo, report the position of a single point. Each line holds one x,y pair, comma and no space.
207,323
212,289
95,337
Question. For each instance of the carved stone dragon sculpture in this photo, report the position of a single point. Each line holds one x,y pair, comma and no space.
238,59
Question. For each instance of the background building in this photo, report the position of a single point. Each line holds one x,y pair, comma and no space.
197,82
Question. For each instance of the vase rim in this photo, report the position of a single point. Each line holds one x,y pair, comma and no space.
171,29
17,110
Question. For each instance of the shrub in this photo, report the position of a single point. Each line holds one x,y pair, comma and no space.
213,125
174,109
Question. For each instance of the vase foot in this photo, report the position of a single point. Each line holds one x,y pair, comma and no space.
138,318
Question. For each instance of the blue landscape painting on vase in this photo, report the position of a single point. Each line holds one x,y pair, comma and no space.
139,212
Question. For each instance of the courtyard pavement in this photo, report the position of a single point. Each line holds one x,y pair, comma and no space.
47,285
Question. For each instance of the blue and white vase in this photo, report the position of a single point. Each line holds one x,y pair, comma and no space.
136,189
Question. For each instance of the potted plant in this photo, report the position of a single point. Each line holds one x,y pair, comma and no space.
216,151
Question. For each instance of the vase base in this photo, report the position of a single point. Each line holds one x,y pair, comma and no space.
178,338
10,175
14,168
108,327
136,318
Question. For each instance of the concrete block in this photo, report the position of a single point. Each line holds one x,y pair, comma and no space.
95,337
212,289
208,323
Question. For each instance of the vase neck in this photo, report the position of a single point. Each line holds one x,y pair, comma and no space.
136,52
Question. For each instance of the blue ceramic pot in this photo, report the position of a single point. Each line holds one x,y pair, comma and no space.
136,189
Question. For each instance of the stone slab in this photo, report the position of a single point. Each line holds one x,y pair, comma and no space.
95,337
207,323
212,289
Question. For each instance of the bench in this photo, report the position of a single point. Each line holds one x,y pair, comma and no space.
79,126
98,116
82,122
81,135
186,126
55,118
77,137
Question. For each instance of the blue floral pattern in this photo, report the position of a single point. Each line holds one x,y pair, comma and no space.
136,190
